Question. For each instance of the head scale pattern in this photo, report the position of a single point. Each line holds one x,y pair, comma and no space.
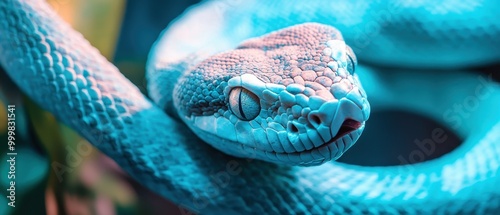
288,97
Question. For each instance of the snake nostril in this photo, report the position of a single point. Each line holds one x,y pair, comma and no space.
315,120
292,128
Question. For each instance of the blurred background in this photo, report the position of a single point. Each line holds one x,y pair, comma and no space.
58,172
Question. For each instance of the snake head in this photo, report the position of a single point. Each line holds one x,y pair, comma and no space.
289,97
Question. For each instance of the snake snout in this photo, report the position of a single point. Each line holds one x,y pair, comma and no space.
333,127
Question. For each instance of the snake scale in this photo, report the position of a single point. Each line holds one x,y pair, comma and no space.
294,76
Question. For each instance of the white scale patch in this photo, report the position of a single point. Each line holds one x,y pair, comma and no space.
337,49
216,126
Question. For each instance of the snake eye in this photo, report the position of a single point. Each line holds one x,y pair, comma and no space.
352,61
351,65
243,103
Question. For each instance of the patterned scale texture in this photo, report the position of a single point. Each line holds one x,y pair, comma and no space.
293,56
59,69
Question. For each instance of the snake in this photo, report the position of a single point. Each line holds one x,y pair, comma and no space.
252,101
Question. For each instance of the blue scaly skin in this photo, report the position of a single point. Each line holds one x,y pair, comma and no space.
60,70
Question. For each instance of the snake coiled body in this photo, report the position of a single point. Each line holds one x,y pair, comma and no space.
59,69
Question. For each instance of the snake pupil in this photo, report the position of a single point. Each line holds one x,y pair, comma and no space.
244,104
351,65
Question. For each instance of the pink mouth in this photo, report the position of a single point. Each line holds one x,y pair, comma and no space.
347,127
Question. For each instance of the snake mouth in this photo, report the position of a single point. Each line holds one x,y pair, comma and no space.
348,132
348,126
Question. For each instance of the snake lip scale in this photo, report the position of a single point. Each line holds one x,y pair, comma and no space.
347,127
